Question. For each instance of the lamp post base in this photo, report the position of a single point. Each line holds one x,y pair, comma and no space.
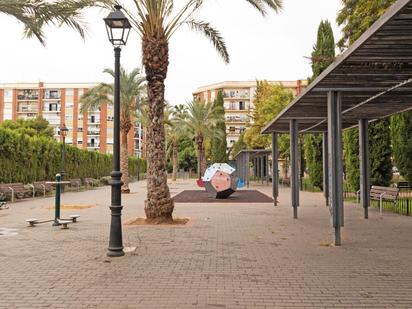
115,252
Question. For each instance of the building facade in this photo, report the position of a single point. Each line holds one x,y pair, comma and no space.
58,103
239,102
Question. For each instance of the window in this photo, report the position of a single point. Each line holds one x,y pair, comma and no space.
242,105
8,93
69,92
53,107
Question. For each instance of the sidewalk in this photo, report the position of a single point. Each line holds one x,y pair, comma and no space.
232,256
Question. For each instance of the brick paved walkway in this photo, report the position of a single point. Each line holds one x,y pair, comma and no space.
233,256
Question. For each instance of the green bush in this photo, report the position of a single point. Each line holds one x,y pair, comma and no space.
26,159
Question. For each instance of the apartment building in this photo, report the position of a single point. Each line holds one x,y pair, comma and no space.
59,104
239,102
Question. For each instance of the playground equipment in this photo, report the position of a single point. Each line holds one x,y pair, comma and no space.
57,221
220,180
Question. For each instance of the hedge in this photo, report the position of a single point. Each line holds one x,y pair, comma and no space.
27,159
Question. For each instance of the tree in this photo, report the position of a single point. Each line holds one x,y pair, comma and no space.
201,122
175,133
131,92
35,14
239,145
155,22
270,100
401,131
323,55
219,143
356,17
32,127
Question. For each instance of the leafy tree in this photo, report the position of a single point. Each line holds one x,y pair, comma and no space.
239,145
187,155
131,93
156,22
33,127
219,143
323,55
35,14
356,17
401,131
270,100
202,121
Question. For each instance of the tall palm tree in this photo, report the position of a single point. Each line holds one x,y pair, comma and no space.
175,132
202,121
156,21
131,94
35,14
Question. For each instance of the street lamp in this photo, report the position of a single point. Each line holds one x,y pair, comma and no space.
63,130
118,29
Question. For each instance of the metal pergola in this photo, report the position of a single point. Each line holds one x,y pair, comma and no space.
371,80
260,160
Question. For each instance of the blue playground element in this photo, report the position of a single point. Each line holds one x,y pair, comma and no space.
240,183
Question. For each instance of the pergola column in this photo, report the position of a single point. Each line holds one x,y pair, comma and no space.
335,161
325,167
275,174
364,165
267,168
294,166
262,168
247,169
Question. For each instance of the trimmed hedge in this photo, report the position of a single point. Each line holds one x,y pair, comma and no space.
27,159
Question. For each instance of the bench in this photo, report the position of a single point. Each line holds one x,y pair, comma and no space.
75,183
384,194
90,182
403,185
16,189
41,186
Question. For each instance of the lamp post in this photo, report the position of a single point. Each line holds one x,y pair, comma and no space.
118,29
63,130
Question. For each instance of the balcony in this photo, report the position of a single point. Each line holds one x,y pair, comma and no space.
93,145
51,95
93,133
28,95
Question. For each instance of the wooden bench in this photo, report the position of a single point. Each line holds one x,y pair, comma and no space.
41,186
75,183
15,189
90,182
384,194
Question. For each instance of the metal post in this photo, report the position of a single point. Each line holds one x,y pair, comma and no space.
364,165
267,169
275,173
115,239
335,162
294,166
57,201
262,168
325,168
247,169
63,155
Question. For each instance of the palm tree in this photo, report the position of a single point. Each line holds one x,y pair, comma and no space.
202,121
156,21
35,14
131,94
175,132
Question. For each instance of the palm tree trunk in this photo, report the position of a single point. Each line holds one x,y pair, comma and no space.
159,205
203,162
200,154
175,161
124,162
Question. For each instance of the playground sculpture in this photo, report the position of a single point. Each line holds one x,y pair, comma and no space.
220,180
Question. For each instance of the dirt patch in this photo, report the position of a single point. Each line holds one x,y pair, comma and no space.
74,207
144,222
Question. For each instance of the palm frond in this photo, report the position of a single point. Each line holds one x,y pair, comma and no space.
213,35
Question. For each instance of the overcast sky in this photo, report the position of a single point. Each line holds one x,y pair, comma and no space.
260,48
